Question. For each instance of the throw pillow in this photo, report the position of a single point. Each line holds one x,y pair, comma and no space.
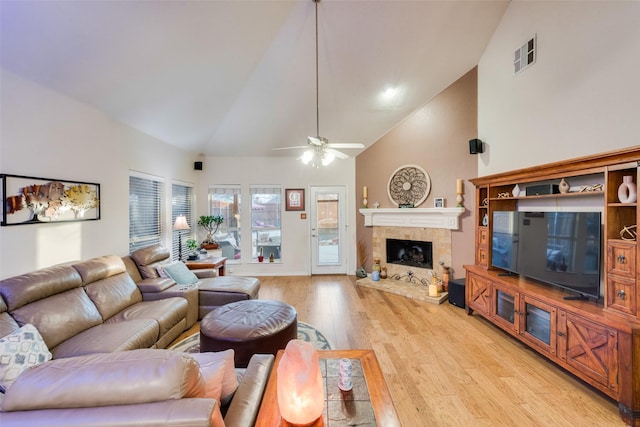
18,351
179,272
220,360
213,373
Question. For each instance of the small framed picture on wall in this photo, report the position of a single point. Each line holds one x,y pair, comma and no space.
438,202
294,199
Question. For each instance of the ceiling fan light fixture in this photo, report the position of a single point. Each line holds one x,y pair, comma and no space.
307,156
327,158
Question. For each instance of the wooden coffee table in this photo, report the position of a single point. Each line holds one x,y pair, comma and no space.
218,263
369,402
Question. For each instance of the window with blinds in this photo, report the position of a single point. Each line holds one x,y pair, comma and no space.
266,222
146,195
225,200
181,204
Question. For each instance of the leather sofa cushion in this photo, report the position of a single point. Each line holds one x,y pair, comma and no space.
7,324
168,413
145,258
155,285
60,317
236,284
131,377
167,312
27,288
99,268
110,337
113,294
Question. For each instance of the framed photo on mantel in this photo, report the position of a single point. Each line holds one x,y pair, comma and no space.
294,199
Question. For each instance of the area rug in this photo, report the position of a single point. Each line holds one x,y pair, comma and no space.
306,332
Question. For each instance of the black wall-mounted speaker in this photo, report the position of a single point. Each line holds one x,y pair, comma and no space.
197,166
475,146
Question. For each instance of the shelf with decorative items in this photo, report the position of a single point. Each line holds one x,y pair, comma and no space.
621,219
593,339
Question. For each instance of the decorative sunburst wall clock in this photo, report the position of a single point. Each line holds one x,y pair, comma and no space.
409,186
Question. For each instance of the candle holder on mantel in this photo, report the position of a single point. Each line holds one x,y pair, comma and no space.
459,184
365,195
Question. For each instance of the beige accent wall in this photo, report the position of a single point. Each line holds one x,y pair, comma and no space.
434,137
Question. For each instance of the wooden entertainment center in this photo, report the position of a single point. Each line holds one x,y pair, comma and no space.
598,341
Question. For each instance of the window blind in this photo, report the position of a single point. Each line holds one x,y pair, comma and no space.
181,204
145,211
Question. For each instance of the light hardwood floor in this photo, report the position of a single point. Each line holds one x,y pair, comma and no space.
443,367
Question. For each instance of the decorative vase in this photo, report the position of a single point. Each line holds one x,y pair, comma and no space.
627,192
375,276
445,279
383,273
564,186
516,191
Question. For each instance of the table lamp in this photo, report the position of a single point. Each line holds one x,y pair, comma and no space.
180,224
299,385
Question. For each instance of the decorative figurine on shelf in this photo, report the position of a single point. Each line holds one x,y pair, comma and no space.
564,186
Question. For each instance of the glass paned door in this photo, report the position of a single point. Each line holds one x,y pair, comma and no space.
328,230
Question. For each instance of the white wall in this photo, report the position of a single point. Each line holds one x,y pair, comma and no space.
45,134
581,97
289,173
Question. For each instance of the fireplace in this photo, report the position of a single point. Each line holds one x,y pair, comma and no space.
409,253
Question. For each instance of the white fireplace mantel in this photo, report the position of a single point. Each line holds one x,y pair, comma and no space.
413,217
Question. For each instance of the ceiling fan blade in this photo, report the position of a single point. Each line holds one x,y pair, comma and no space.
291,148
338,154
346,145
314,140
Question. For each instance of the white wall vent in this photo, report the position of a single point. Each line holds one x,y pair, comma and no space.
524,56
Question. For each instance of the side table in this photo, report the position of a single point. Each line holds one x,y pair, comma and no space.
218,263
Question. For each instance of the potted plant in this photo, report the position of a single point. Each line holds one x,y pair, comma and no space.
211,223
192,245
261,255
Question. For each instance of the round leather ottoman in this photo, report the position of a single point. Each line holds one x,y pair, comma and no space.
249,327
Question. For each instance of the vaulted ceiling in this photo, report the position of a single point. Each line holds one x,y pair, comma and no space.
238,77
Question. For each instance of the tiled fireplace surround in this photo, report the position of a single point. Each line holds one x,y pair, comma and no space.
440,239
429,224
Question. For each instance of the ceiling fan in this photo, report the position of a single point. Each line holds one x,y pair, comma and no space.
318,147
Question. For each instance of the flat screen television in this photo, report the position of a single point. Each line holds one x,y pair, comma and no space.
558,248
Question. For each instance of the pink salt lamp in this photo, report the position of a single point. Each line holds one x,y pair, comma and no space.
300,389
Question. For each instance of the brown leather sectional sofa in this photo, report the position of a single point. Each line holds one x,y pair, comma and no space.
212,291
89,308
